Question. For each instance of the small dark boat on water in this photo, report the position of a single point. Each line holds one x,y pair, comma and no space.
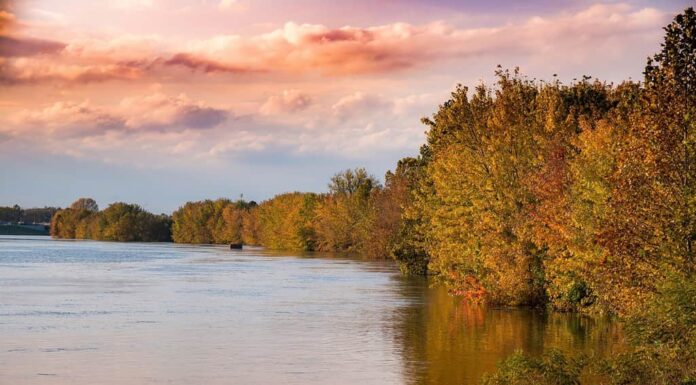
237,246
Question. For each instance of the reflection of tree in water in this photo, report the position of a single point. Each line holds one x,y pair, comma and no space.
444,340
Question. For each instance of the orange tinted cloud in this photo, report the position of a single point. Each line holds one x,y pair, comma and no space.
12,46
310,48
399,46
31,70
29,60
204,65
287,102
306,47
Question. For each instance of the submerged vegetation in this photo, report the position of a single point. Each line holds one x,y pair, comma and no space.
579,197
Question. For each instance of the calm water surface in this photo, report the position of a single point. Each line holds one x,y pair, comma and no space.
87,313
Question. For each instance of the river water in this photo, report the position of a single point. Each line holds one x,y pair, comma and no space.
89,313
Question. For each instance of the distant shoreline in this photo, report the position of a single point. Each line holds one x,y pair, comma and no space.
17,229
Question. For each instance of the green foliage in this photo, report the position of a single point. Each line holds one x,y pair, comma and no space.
119,222
408,246
344,217
353,183
210,222
552,368
357,215
663,334
580,195
286,222
661,350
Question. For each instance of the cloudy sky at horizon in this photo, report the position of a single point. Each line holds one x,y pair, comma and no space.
160,102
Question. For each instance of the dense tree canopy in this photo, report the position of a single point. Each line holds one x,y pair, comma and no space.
220,221
119,222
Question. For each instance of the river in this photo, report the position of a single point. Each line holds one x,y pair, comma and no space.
89,313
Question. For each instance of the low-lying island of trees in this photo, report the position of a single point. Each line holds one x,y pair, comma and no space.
578,197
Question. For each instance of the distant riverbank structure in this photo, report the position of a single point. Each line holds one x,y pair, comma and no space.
21,228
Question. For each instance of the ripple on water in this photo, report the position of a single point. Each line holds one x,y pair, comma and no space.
83,312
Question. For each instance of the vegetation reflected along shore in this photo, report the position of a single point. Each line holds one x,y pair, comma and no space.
450,341
579,197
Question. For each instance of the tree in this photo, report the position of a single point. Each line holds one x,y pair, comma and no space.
10,214
351,182
408,247
38,215
384,220
120,222
88,204
344,217
670,79
286,221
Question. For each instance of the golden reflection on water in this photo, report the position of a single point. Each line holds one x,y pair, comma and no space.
446,340
84,313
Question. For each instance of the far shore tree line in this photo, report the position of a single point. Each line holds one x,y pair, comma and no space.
578,197
120,222
17,214
357,215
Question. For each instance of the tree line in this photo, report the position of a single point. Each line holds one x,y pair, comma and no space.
120,222
357,214
16,214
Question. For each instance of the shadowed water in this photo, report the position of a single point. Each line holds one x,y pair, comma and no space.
82,312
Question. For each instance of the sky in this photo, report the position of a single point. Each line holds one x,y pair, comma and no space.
159,102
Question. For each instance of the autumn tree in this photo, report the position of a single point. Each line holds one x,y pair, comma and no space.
88,204
286,221
344,217
408,248
120,222
385,218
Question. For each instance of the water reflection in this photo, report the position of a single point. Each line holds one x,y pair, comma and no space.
83,313
445,340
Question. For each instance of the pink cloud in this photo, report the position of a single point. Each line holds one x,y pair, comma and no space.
28,60
66,119
163,112
400,46
40,70
310,48
11,46
156,112
288,101
204,65
359,103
